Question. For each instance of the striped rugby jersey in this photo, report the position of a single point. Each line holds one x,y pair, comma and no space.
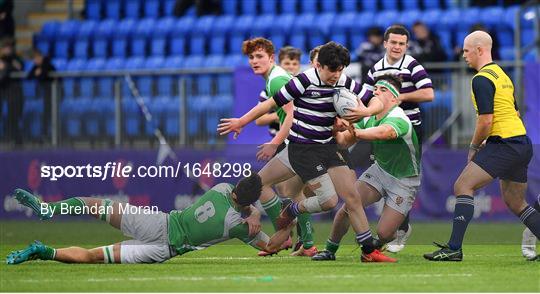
314,111
414,77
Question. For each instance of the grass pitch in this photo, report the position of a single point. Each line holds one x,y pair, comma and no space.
492,263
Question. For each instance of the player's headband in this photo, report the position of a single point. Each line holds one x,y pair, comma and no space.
387,85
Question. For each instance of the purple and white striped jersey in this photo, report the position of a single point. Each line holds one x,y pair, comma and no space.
314,111
414,77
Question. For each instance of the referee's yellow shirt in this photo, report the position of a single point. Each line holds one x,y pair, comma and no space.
506,120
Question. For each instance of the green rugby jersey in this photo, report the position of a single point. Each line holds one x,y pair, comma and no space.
399,157
210,220
277,78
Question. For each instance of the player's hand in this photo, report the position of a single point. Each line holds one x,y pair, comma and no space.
266,151
355,114
229,125
254,224
340,125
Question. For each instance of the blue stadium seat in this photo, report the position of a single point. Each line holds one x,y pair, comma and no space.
43,44
121,37
288,6
87,84
165,83
468,17
431,18
112,9
160,36
262,26
168,7
32,114
342,27
321,31
214,61
329,6
68,84
308,6
505,37
93,9
369,5
132,116
172,115
152,8
449,19
155,62
280,29
370,19
219,34
196,106
410,4
179,33
132,9
491,17
64,38
29,89
81,48
248,7
60,64
174,62
386,18
430,4
229,7
133,63
239,32
50,29
409,17
145,28
201,29
389,4
269,6
349,5
106,84
101,37
298,40
527,37
507,53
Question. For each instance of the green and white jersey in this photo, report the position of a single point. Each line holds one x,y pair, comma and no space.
399,157
277,78
210,220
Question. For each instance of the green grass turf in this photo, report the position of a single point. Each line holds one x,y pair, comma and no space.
492,263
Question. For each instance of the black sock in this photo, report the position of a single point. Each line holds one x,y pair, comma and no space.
531,218
405,224
366,240
463,214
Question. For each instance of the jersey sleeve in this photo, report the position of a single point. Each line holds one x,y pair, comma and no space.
276,84
484,93
293,89
398,124
361,124
419,76
262,96
367,88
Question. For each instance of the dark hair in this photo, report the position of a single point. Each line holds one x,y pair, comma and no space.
398,30
418,23
314,52
251,45
248,190
334,56
392,79
375,31
289,52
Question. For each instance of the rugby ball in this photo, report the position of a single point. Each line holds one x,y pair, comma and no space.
343,100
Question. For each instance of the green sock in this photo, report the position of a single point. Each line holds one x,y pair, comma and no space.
306,231
332,246
74,206
48,254
273,208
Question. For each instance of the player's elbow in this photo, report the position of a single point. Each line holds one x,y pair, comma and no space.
259,122
429,95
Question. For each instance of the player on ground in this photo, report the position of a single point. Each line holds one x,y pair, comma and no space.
312,152
395,175
416,87
260,52
505,155
157,237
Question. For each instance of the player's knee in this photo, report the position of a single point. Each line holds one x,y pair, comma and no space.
386,235
330,203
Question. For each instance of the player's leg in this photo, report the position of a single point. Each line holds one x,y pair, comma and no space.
471,179
275,171
514,196
340,226
528,241
38,250
103,209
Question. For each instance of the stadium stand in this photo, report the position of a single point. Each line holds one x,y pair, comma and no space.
136,34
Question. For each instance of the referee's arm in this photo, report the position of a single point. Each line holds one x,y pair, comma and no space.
484,93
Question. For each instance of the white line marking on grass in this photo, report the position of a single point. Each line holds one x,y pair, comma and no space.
268,278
